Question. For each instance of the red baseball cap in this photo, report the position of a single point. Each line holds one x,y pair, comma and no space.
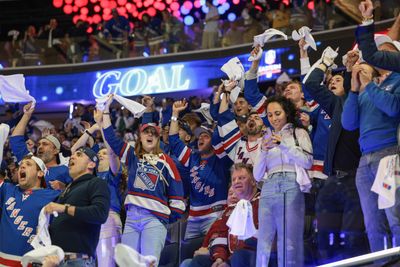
147,125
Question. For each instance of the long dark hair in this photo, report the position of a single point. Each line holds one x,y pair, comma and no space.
288,107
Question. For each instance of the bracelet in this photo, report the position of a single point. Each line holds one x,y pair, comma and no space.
88,133
369,17
66,208
106,113
173,118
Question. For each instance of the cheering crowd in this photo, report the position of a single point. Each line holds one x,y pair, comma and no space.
244,175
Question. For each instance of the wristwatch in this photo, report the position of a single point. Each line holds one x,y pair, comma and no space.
66,208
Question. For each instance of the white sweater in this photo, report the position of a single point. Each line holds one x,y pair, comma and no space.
283,158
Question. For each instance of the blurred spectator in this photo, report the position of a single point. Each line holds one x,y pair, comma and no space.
52,43
12,48
116,32
173,31
319,17
210,31
280,18
152,33
234,35
78,42
30,48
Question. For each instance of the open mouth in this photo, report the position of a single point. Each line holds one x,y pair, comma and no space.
149,141
251,124
22,174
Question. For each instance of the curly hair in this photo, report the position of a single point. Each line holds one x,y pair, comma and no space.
288,107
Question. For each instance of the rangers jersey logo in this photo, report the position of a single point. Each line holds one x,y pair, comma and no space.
146,178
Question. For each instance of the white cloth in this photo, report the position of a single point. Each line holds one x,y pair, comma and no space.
328,55
4,130
42,238
205,111
12,89
387,181
261,39
126,256
303,179
283,78
241,222
134,107
38,255
305,32
42,124
234,69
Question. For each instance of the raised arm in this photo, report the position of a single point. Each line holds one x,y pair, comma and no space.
87,135
350,114
365,39
113,158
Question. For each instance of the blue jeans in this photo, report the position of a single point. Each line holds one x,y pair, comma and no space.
278,189
78,263
144,232
110,235
376,220
199,227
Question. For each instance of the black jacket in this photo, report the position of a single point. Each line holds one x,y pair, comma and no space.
80,233
333,105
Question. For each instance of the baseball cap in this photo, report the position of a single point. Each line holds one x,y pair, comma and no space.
185,126
53,140
202,129
91,154
382,39
147,125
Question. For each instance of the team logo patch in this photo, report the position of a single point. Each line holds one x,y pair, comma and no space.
146,178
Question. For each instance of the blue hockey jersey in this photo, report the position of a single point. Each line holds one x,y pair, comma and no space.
209,179
19,219
153,184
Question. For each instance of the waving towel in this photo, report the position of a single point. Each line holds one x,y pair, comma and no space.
305,32
4,130
134,107
235,71
12,89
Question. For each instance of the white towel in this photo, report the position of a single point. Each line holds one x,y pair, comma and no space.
126,256
305,32
12,89
328,53
38,255
42,238
42,124
205,111
234,69
241,222
257,57
134,107
261,39
4,130
303,179
387,181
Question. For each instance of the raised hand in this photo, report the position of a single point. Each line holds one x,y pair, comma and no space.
366,8
305,119
28,108
179,106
